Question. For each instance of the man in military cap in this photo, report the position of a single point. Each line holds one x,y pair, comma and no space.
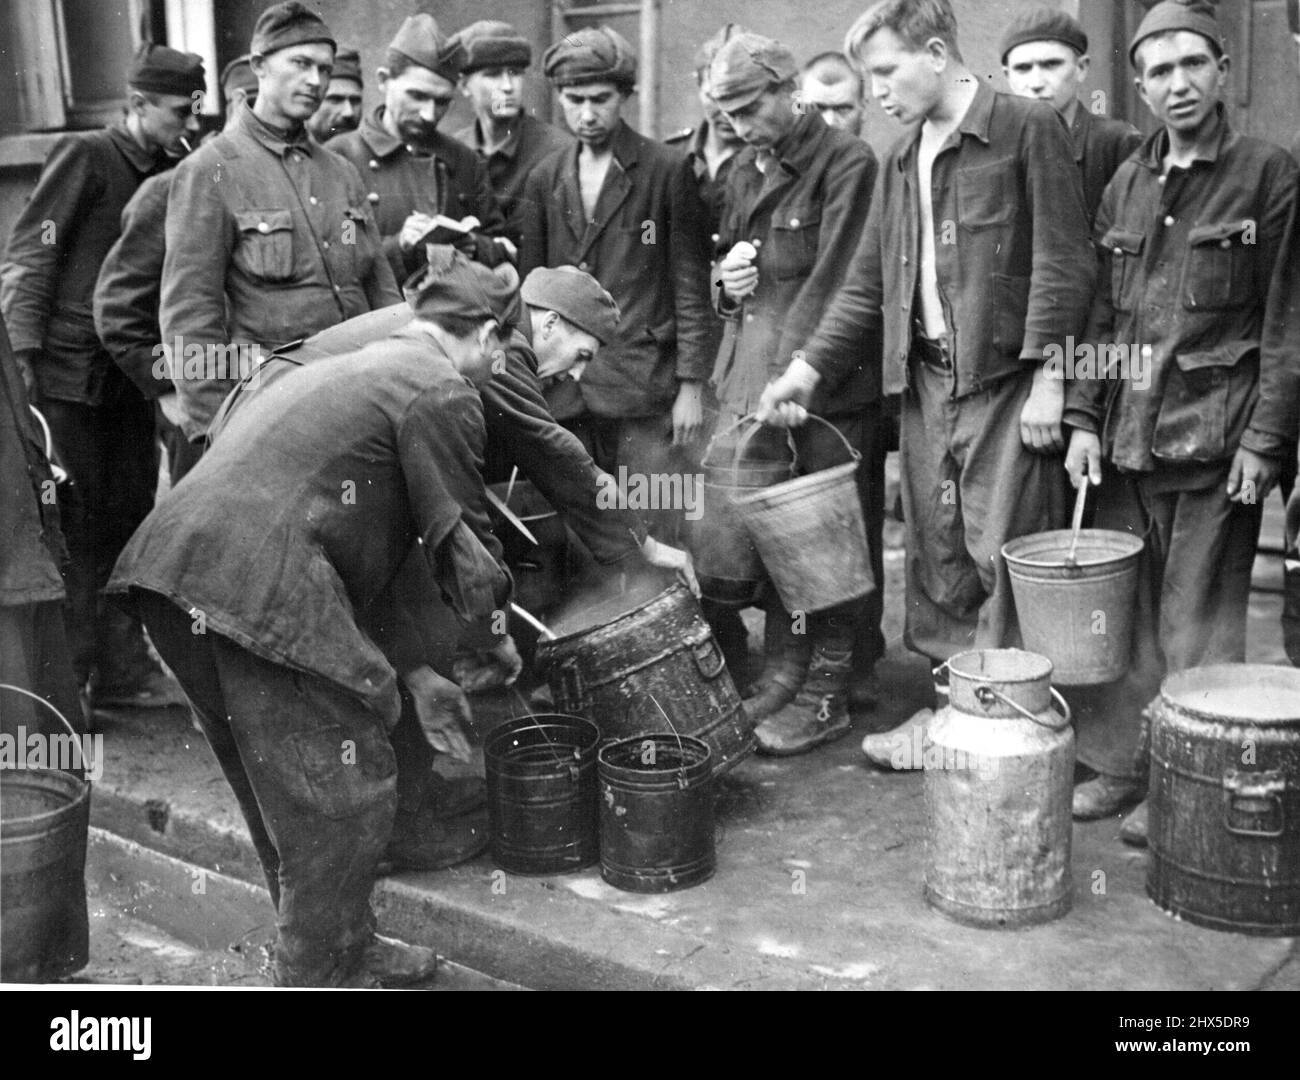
627,210
269,235
238,85
830,86
793,211
340,108
292,649
510,142
1194,412
101,425
1045,56
413,171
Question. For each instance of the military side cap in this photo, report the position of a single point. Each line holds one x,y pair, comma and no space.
593,54
705,53
1044,24
576,296
160,70
347,65
745,67
238,75
453,285
421,42
290,23
487,44
1195,16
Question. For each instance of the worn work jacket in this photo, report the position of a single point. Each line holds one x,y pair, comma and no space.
508,166
648,244
55,250
449,180
130,286
713,189
520,428
1201,289
1016,266
268,240
806,219
287,535
1100,145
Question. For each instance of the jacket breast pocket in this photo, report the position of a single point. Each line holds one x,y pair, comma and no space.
265,248
1207,403
1219,261
795,235
1124,249
986,195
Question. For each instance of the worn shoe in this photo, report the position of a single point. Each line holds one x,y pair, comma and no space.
786,656
864,690
819,712
1104,796
151,688
451,796
425,842
387,963
1134,829
902,748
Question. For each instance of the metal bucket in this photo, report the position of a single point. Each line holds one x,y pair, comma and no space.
44,823
1079,616
656,813
727,564
541,788
999,768
647,667
811,535
1224,803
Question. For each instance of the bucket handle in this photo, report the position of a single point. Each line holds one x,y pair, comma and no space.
854,455
681,780
555,752
76,735
1266,787
987,694
708,657
735,451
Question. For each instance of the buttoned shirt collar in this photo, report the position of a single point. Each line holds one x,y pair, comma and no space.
275,139
1152,155
381,141
509,148
975,123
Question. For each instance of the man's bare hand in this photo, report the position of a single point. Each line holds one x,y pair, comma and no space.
785,399
1252,477
413,228
1040,419
671,558
737,270
488,669
1083,460
442,710
688,412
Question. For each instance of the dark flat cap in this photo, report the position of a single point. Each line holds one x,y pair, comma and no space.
347,65
289,23
160,70
453,285
488,44
593,54
574,295
745,67
1044,24
421,42
238,75
1195,16
705,53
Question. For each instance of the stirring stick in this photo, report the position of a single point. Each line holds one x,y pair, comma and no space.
533,621
1079,500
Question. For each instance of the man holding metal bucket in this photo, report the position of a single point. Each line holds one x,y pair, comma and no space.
1199,241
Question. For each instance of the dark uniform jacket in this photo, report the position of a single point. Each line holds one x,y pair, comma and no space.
649,246
288,533
1018,271
1200,284
1100,144
267,241
806,217
55,251
508,168
712,188
450,180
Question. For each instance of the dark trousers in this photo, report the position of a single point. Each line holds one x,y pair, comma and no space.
1193,591
1291,588
316,779
111,456
968,486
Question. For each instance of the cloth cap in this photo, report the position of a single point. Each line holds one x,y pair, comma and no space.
290,23
592,54
705,53
745,67
487,44
347,65
453,285
1196,16
1045,24
576,296
421,42
238,75
160,70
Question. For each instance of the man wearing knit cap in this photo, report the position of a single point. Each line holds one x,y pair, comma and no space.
794,210
337,469
102,426
412,171
506,138
626,210
269,235
340,108
1193,412
1045,56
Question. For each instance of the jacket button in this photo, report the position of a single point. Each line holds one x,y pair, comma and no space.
312,199
794,223
263,227
1119,251
1225,243
374,164
1169,222
904,260
749,316
584,267
325,244
373,196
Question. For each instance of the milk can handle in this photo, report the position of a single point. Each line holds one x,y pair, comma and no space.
986,693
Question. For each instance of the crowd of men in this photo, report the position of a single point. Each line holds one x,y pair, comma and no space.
341,327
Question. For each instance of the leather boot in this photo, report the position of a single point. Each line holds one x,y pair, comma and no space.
819,712
425,842
390,964
785,664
